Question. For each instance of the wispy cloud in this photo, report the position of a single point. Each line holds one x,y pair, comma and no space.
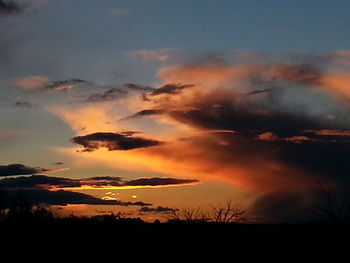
23,104
67,85
31,82
20,169
144,113
111,94
161,55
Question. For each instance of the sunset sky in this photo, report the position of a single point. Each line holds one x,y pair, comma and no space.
144,106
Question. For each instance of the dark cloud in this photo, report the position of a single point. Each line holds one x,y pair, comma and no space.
93,92
61,197
38,181
129,133
259,91
111,94
170,89
58,163
156,181
249,119
303,73
112,141
137,87
289,122
41,189
282,207
23,104
49,182
144,113
20,169
101,181
158,209
326,160
10,7
277,109
66,85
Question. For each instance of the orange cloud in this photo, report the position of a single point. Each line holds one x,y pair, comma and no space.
241,124
207,77
206,158
31,82
330,132
338,83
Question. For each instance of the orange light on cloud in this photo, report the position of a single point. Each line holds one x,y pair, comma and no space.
31,82
337,83
329,132
249,164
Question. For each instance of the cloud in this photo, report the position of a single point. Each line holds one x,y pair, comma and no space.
61,197
10,7
288,122
161,55
259,91
137,87
158,209
102,182
118,92
111,94
144,113
31,82
129,133
282,207
113,141
67,85
155,181
170,89
24,104
38,181
270,126
40,189
20,169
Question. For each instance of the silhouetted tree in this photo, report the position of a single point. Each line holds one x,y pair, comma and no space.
332,205
195,215
4,200
42,212
228,213
19,207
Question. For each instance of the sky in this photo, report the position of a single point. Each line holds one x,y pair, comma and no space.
147,106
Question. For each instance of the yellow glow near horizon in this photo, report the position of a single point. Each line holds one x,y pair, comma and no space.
126,187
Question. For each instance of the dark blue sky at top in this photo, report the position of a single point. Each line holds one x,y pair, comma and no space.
72,38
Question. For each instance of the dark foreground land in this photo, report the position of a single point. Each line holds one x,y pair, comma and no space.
175,238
